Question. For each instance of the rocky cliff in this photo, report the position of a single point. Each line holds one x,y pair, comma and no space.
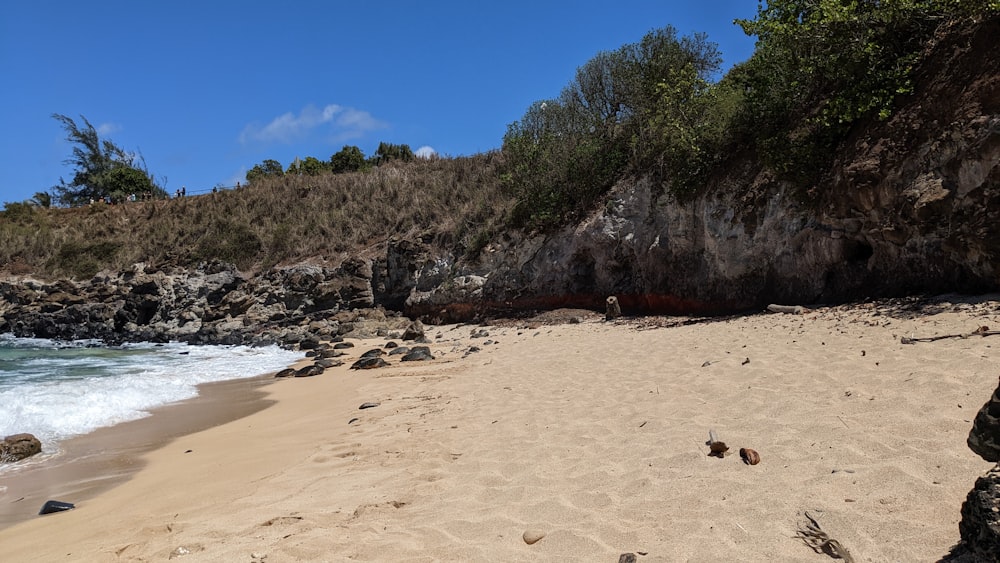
912,204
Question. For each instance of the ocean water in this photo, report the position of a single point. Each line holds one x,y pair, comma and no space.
56,390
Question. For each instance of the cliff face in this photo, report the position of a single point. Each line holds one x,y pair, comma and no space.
912,205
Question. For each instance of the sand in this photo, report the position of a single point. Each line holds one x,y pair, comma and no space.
590,434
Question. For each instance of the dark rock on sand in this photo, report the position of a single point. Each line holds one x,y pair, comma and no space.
984,438
55,506
19,446
980,525
418,353
369,363
414,332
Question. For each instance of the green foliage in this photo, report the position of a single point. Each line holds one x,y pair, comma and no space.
18,211
388,152
101,168
267,169
121,181
347,159
231,242
41,199
821,65
624,108
83,259
311,166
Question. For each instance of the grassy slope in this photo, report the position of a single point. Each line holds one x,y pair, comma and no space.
455,201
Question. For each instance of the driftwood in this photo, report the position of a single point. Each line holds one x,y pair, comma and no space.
981,331
820,542
790,309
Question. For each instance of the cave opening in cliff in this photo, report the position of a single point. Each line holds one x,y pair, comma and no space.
858,251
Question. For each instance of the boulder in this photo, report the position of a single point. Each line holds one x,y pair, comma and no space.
415,331
984,438
980,525
19,446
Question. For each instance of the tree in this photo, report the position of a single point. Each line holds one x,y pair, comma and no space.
821,65
268,168
624,107
313,166
348,159
387,152
41,199
102,168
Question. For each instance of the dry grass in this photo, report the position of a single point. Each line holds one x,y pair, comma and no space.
453,203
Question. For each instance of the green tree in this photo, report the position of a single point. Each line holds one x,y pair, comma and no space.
41,199
101,168
347,159
310,166
821,65
388,152
624,107
268,168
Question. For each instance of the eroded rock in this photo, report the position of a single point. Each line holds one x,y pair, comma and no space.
19,446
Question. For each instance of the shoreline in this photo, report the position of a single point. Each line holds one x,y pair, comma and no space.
93,463
591,435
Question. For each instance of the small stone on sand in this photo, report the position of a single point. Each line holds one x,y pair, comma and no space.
532,536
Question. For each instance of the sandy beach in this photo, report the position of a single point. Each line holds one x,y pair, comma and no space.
592,435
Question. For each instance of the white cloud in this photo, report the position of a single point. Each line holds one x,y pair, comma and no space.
425,151
107,128
339,122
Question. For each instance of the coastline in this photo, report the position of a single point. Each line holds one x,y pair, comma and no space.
93,463
591,434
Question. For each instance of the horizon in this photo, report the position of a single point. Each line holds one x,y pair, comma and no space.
204,93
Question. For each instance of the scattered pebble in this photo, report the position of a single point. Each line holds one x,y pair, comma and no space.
531,537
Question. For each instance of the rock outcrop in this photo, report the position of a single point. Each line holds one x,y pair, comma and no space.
980,524
984,438
19,446
211,304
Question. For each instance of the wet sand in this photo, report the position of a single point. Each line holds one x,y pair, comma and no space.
90,464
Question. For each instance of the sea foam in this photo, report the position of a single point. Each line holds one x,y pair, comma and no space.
56,390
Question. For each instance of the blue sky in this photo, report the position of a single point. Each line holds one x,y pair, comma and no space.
205,90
